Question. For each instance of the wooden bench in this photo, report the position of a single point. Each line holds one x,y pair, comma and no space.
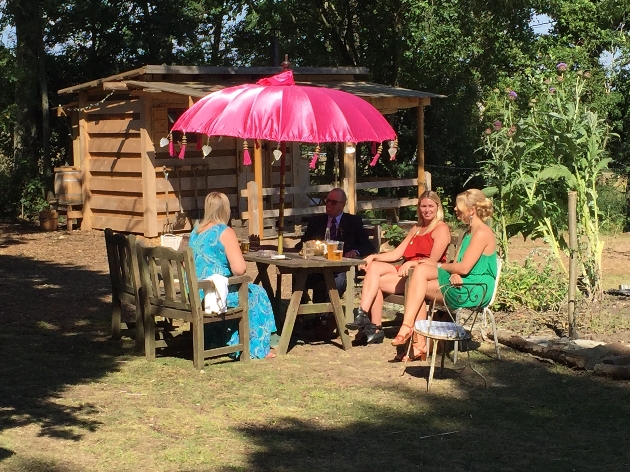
169,288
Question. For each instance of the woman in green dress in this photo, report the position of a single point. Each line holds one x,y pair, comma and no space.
476,262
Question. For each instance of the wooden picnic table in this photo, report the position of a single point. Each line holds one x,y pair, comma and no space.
299,268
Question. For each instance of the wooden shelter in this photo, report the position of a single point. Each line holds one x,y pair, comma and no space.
129,183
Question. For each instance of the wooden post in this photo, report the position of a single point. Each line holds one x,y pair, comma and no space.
283,170
350,176
421,177
149,186
573,247
252,209
258,179
86,223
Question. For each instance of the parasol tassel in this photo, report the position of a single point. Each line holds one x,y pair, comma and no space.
374,143
315,157
171,146
182,150
247,160
199,143
377,155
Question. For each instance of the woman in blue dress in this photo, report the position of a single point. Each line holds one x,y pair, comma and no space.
216,250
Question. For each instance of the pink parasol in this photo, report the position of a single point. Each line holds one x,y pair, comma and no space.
276,109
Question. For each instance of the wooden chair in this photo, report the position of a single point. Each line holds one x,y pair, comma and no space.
170,289
460,322
125,278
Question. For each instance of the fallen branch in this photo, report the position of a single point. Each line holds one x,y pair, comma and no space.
570,358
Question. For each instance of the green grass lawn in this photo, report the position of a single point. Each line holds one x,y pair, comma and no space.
82,402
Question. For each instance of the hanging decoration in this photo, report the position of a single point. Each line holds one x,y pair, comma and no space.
199,142
350,149
315,157
182,150
277,154
171,146
206,148
377,155
374,143
247,160
393,148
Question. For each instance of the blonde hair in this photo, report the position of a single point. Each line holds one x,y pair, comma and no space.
439,214
216,209
475,198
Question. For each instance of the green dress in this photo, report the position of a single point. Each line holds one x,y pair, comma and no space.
484,272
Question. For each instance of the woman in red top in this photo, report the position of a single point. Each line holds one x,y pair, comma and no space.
428,239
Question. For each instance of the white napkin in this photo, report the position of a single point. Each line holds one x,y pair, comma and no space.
215,299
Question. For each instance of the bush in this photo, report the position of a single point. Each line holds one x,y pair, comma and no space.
536,285
611,201
394,234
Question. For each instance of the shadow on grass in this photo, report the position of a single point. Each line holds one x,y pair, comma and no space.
530,418
54,333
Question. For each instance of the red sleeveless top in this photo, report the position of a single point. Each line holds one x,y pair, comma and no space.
420,247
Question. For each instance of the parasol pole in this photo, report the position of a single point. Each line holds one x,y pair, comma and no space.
258,178
281,210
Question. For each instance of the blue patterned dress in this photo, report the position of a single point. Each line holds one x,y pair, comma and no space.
210,259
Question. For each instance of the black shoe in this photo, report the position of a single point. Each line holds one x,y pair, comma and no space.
374,335
361,320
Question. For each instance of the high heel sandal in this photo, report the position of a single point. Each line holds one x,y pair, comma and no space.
418,355
401,339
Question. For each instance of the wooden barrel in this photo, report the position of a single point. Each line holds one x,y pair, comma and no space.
68,185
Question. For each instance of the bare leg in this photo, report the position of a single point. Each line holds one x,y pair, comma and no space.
389,283
372,282
415,304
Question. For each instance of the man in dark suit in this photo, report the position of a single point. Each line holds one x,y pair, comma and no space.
343,227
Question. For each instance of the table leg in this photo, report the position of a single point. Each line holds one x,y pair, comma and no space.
337,310
350,294
263,279
294,305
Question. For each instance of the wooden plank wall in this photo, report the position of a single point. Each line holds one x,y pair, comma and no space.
116,152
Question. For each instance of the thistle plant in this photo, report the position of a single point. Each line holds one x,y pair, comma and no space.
540,152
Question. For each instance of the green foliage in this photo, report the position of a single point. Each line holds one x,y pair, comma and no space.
539,149
538,285
394,233
612,204
33,199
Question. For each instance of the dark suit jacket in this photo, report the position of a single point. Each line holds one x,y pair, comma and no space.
350,231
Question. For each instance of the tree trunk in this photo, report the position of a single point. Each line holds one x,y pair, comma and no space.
46,157
27,18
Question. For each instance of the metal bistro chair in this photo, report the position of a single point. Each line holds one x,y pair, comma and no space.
169,289
461,324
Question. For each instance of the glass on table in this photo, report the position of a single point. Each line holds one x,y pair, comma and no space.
244,246
309,250
334,250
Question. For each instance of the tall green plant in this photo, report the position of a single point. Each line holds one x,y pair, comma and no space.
557,145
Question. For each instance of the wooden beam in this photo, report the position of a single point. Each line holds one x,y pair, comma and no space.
127,145
114,126
115,86
350,173
147,155
420,132
116,108
84,144
258,178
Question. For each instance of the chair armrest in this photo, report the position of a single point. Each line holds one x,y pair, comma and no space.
239,279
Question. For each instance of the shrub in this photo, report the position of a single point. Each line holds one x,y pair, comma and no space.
394,233
538,285
611,201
